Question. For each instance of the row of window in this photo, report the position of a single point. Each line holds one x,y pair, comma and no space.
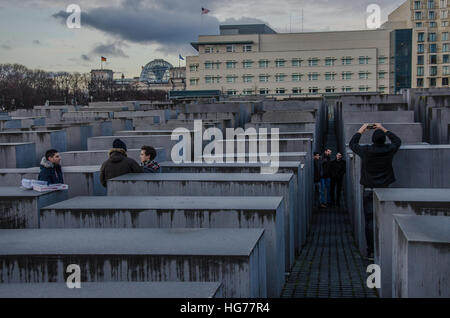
296,77
432,36
433,59
297,62
433,70
229,49
430,4
432,82
431,24
432,15
433,48
299,90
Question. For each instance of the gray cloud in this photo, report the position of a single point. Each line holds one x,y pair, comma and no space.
36,42
85,57
5,47
110,49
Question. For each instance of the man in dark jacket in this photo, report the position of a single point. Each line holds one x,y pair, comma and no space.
325,181
376,170
338,169
317,176
118,163
148,163
51,167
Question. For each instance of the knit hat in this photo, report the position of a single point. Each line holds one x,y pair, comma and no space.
378,137
117,143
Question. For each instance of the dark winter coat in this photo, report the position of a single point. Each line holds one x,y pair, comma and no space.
326,167
376,161
50,172
317,170
338,169
118,164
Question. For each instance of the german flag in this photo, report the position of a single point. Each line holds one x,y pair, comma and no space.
103,59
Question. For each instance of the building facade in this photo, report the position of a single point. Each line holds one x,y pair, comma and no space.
429,22
264,62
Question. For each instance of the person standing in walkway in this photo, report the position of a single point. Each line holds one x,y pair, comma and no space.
118,163
51,168
325,180
317,176
376,170
338,169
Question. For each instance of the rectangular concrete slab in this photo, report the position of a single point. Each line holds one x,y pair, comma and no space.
390,201
180,212
409,133
114,290
218,184
421,256
17,155
236,257
97,157
19,208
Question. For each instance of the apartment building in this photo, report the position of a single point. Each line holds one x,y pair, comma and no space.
254,59
429,22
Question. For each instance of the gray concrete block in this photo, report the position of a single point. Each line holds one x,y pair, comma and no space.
388,202
114,290
409,133
421,256
180,212
19,208
132,142
97,157
44,140
82,180
236,257
216,184
284,117
406,116
17,155
303,186
284,127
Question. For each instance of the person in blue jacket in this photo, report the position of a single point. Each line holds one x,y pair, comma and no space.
51,167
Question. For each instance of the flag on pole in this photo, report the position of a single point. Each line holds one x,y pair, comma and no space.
180,57
103,59
205,11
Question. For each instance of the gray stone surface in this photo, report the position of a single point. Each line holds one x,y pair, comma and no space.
82,180
180,212
43,140
224,184
19,208
114,290
421,256
388,202
236,257
17,155
378,117
97,157
409,133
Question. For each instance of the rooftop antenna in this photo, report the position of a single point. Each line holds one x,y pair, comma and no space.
302,19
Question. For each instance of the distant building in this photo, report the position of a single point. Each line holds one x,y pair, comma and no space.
428,20
156,72
255,60
102,75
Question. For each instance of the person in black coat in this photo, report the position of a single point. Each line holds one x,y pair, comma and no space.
317,176
325,179
118,163
51,167
376,169
338,169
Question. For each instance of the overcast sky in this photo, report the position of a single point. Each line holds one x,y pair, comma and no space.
131,33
